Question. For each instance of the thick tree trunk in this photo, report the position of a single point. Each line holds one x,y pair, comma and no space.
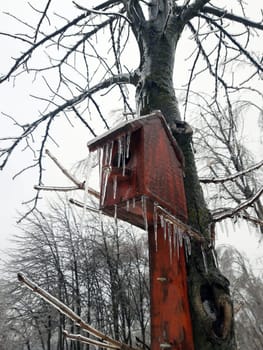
210,302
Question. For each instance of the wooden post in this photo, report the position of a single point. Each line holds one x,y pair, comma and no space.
171,326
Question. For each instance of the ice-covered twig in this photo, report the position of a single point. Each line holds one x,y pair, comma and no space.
86,340
62,308
216,180
78,184
82,205
232,212
57,188
67,189
96,12
64,170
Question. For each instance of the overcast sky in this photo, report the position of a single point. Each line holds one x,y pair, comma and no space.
73,148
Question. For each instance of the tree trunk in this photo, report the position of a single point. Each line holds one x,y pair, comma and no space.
210,302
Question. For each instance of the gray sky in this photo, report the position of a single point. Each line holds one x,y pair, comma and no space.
72,148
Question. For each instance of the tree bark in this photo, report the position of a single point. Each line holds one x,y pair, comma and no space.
210,302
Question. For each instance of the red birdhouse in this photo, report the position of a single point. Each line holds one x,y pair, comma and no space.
141,164
141,172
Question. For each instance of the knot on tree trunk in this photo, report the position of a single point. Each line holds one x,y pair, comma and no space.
214,310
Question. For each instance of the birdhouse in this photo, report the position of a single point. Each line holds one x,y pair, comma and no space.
141,174
140,164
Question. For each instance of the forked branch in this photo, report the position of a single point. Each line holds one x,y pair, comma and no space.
62,308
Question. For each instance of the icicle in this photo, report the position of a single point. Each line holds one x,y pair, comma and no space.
99,156
127,205
115,185
123,156
164,228
204,259
233,223
225,228
178,243
133,202
180,234
144,212
238,221
174,236
106,154
170,241
105,175
162,221
119,152
110,153
155,224
128,142
187,246
221,226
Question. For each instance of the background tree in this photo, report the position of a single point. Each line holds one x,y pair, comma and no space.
77,63
247,294
102,277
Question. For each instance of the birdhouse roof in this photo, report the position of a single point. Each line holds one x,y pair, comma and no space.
131,126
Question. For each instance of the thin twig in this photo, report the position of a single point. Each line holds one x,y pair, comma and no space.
232,212
82,205
82,339
64,170
57,188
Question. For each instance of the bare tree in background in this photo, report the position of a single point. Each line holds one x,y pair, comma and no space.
102,277
247,294
86,56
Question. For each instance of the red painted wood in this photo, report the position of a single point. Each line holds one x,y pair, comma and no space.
153,169
170,315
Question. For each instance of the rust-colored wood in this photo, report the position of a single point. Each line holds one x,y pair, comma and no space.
154,169
171,326
153,173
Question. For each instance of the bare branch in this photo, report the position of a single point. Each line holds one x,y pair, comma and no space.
62,308
115,14
232,17
232,212
64,170
82,339
57,188
216,180
235,42
83,206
